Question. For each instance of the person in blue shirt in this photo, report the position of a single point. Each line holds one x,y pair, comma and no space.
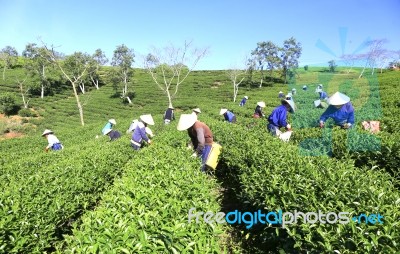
109,125
228,115
281,95
139,134
113,134
244,100
340,110
277,119
323,95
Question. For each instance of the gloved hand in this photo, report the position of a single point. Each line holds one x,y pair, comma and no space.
194,155
288,127
321,124
46,149
149,142
346,126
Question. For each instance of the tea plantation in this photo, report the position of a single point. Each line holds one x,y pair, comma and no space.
97,196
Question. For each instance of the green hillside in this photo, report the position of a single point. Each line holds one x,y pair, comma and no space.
97,196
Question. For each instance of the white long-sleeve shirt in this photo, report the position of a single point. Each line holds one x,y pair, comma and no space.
52,139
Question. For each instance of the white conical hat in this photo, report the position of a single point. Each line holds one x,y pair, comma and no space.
223,111
147,119
293,89
47,131
170,106
280,92
112,121
197,110
134,120
261,104
246,97
186,121
338,99
291,104
317,103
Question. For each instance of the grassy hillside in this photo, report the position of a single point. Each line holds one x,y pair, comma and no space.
102,197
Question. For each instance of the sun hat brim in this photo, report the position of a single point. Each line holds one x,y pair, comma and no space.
147,119
197,110
338,99
186,121
47,132
261,104
112,121
223,111
291,104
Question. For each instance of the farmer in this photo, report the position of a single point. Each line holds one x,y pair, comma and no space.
305,87
258,111
113,134
169,115
139,134
200,135
53,141
293,91
340,110
319,88
109,125
228,115
323,95
244,100
133,125
196,111
280,94
277,119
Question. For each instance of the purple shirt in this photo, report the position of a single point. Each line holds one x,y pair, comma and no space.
140,133
341,116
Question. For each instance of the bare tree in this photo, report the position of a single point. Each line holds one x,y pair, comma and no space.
24,92
237,74
73,78
370,58
170,66
349,61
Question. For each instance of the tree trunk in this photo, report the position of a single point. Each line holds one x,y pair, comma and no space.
129,99
169,97
235,91
42,82
4,71
82,87
78,103
42,91
362,72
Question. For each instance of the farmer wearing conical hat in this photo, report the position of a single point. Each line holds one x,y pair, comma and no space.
340,110
228,115
258,111
200,135
323,95
281,94
109,125
305,87
277,119
53,141
244,100
196,111
169,115
139,134
293,91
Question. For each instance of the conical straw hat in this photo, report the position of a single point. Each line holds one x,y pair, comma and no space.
261,104
47,132
223,111
186,121
338,99
147,119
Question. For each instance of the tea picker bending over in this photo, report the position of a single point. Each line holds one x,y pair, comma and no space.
139,134
200,135
53,141
340,110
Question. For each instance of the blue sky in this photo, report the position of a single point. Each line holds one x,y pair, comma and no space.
230,28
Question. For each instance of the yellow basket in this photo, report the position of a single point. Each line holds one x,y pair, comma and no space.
212,159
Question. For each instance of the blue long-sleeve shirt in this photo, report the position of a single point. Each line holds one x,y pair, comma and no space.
278,116
139,133
230,117
322,95
243,102
343,115
106,127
